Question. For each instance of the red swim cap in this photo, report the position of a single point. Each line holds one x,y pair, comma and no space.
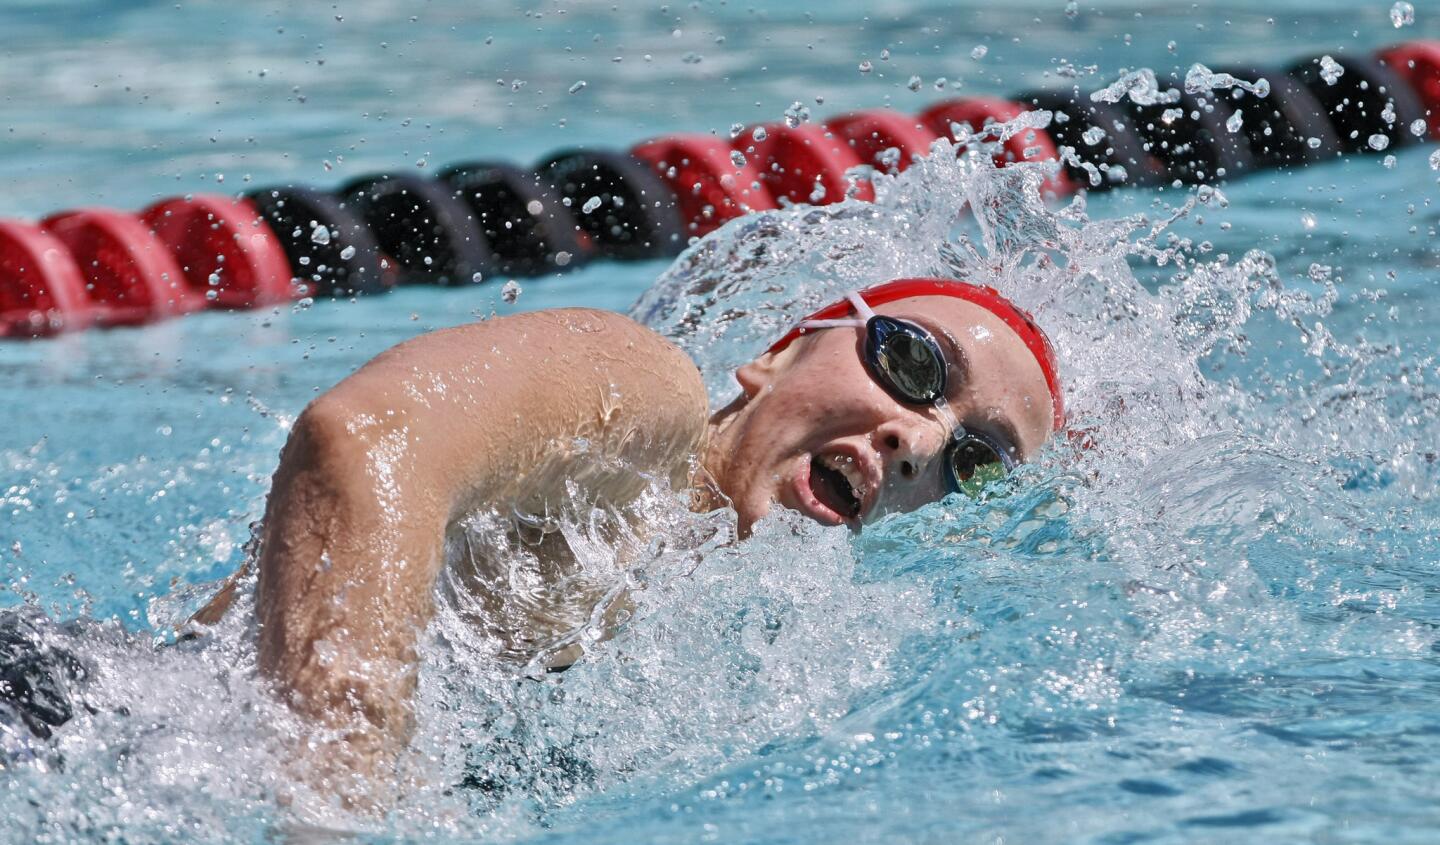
986,297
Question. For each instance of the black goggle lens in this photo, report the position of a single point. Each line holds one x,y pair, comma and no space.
906,359
971,463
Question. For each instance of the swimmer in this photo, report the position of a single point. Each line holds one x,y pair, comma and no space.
884,401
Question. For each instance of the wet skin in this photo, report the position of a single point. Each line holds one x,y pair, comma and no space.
487,416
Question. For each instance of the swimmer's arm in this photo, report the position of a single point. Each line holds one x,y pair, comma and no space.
377,467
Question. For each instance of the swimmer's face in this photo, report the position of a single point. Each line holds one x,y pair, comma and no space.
813,413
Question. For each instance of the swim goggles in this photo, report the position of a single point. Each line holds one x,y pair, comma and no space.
906,360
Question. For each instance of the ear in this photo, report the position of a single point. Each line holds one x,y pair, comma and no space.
756,375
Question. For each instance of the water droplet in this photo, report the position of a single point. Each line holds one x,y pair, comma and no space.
979,52
1435,160
535,207
1330,70
1093,135
477,277
1307,220
692,58
590,205
577,87
796,114
320,235
1072,9
736,129
737,158
914,83
348,252
1389,161
510,292
1235,121
1402,14
866,66
759,134
1417,127
1379,142
1313,143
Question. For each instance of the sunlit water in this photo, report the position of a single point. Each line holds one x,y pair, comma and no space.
1216,622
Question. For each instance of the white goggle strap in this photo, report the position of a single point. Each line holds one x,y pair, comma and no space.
862,309
848,323
860,305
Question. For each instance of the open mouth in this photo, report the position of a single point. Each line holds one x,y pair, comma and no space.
837,484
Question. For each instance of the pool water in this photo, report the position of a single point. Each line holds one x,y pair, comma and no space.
1219,622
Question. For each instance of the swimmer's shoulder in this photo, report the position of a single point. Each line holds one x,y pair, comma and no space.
637,357
569,332
618,339
545,356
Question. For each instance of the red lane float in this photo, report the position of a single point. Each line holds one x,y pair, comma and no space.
709,188
226,251
42,291
805,163
130,275
871,133
98,266
982,111
1418,63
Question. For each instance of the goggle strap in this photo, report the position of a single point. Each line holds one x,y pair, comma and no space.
848,323
860,305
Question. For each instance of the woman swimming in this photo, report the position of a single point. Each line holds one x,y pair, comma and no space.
882,402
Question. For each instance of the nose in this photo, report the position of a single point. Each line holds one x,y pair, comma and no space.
907,446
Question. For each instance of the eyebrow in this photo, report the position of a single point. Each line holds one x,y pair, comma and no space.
1008,433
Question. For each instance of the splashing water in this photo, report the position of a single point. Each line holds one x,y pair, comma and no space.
1140,86
1200,79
